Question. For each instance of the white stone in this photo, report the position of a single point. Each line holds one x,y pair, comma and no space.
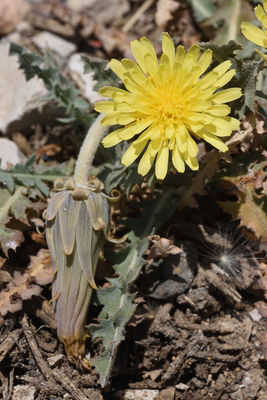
182,386
9,153
140,394
104,11
85,82
17,96
53,361
23,392
255,315
46,40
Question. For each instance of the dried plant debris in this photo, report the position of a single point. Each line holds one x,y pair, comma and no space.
162,247
165,9
250,207
22,199
23,286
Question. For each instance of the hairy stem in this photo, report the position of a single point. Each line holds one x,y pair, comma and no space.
87,152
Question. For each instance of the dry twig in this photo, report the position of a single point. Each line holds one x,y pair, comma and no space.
50,375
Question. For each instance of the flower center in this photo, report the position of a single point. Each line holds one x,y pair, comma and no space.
169,108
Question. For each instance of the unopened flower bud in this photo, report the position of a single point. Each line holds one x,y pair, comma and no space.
77,223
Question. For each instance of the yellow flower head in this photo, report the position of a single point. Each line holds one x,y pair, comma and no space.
167,103
255,34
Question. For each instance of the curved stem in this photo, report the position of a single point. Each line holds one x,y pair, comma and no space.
87,152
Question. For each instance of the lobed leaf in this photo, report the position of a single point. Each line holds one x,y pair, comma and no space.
28,175
103,75
118,305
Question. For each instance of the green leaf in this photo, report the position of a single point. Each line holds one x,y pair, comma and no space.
29,62
222,52
203,9
246,78
103,75
27,175
118,305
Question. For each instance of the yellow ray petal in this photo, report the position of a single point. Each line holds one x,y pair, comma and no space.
254,34
188,63
208,80
119,118
192,147
213,140
227,123
151,65
222,68
191,161
223,80
138,53
114,93
205,60
140,49
177,160
117,68
168,47
226,95
112,139
133,129
148,158
220,110
181,137
260,14
111,106
162,161
125,133
133,152
134,70
194,51
180,54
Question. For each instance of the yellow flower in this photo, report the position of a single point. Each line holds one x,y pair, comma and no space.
255,34
167,103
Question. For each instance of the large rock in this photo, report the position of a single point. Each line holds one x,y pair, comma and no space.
17,96
46,40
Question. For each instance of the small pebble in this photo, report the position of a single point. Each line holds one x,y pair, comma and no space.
255,315
55,360
23,392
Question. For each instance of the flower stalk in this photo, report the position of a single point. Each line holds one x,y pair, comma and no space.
87,152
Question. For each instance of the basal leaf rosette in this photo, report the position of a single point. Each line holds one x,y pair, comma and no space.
168,104
254,33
